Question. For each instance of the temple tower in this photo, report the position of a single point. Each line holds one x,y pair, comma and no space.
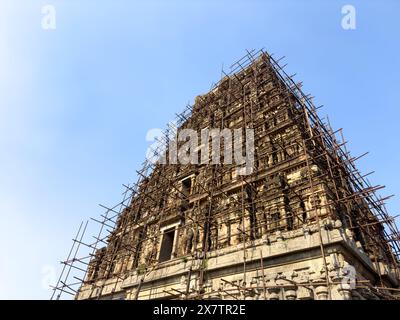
299,222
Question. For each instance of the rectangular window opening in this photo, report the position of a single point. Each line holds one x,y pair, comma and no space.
187,186
167,245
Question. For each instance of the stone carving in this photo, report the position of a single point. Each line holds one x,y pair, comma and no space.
189,240
227,220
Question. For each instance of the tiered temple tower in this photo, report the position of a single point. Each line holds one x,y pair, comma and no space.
303,223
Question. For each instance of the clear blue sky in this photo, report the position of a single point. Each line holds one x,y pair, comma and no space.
76,102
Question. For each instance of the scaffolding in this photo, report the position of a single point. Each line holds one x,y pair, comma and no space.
256,93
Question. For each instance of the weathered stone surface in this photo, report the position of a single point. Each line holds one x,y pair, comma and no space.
293,229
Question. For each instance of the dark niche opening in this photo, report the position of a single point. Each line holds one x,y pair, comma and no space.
187,186
167,245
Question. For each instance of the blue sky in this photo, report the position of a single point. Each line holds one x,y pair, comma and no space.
76,102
